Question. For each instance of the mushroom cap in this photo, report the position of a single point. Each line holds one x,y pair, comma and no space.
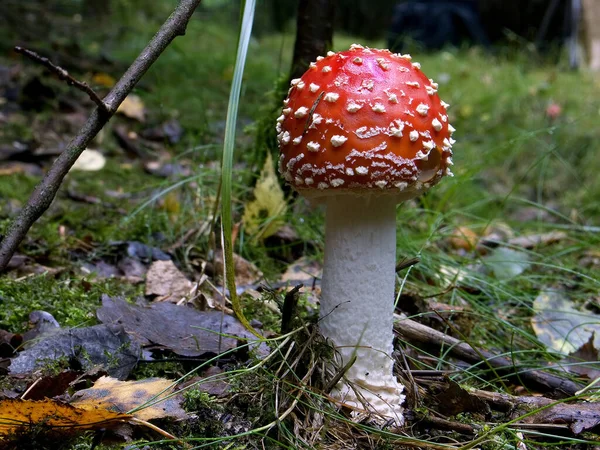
364,121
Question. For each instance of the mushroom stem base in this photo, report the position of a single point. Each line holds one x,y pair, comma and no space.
357,301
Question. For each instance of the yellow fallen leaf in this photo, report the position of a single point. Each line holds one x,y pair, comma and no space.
133,107
263,216
122,396
103,79
17,414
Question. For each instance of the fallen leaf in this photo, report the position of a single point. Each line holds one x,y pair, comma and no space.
536,240
302,270
108,346
17,414
585,360
170,131
181,329
90,161
103,79
246,273
463,238
133,107
506,263
167,282
123,396
50,386
263,216
562,327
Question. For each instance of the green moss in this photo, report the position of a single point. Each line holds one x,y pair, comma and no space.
71,300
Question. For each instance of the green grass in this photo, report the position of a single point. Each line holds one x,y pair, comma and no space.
510,160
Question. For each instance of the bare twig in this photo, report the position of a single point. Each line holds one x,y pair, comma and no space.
412,331
44,193
64,75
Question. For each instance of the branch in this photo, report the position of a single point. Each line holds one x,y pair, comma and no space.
64,75
412,331
46,190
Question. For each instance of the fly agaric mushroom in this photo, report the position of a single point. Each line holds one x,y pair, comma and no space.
361,131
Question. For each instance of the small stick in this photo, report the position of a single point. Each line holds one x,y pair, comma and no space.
64,76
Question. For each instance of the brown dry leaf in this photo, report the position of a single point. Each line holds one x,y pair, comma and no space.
167,282
16,414
585,361
463,238
133,107
245,272
536,240
303,269
122,396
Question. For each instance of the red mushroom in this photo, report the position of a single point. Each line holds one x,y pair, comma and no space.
361,131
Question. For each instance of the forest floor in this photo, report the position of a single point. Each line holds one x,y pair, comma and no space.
507,253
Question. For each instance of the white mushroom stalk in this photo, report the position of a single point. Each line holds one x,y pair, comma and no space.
357,301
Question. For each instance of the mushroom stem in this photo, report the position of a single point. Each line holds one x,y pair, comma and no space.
357,301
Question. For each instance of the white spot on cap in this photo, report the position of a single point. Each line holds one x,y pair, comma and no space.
301,112
313,146
319,58
357,60
392,98
312,65
429,145
444,104
314,87
396,128
383,63
326,69
308,181
416,65
413,135
378,107
414,84
422,109
285,138
338,140
362,170
337,182
381,184
356,47
430,90
422,155
403,69
300,85
449,172
297,140
407,57
353,107
449,161
298,180
316,120
331,97
286,111
367,84
349,171
436,124
295,81
281,118
322,185
401,185
451,129
433,84
444,118
330,53
278,128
